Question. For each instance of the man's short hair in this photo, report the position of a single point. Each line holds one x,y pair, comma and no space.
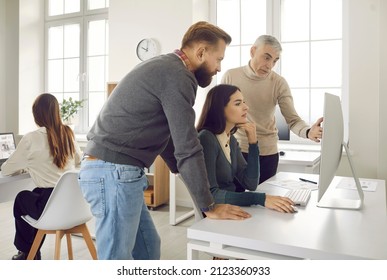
268,40
203,31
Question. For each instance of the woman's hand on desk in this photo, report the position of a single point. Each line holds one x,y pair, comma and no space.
227,212
279,203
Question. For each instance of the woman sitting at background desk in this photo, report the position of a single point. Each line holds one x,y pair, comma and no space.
224,112
46,154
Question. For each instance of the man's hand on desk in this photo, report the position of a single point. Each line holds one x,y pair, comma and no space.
227,212
279,203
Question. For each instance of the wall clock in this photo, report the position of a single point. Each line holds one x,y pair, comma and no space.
147,48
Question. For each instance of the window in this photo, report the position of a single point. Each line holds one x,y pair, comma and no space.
311,38
310,32
244,20
77,54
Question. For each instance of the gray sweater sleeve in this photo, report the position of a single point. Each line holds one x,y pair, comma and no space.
177,106
168,156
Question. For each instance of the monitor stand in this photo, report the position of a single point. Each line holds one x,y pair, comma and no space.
329,201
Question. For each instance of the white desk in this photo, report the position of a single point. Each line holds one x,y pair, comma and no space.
299,161
10,186
312,233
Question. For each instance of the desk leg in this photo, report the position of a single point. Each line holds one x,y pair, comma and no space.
173,220
313,169
192,254
172,199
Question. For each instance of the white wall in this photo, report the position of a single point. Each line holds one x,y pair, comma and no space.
365,82
364,85
130,21
21,62
382,165
2,65
9,56
31,60
12,64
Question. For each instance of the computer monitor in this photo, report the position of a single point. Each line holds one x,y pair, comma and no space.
282,125
331,150
7,146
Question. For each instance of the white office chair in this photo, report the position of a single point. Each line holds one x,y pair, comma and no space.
65,213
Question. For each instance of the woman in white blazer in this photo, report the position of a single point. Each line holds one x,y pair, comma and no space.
46,154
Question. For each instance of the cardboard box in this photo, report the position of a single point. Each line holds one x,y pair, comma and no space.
148,195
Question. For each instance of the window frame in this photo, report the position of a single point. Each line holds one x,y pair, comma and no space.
83,17
84,94
273,27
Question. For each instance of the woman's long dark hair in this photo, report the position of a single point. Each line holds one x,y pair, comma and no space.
60,137
212,117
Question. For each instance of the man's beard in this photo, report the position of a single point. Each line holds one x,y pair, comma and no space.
203,76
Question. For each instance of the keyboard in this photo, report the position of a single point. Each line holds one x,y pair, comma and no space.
300,197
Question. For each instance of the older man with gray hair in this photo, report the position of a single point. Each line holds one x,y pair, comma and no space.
263,89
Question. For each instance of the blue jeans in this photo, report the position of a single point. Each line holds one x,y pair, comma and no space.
124,227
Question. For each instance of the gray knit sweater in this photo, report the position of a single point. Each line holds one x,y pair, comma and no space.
150,113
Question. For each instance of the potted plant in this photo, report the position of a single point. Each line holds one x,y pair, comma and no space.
69,108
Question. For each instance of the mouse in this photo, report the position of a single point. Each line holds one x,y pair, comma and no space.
294,208
281,153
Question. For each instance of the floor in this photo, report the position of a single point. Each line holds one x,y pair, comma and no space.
173,238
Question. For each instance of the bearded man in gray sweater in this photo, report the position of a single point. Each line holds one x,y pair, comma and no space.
148,114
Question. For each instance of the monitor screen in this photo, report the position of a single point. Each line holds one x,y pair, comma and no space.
282,125
7,145
332,144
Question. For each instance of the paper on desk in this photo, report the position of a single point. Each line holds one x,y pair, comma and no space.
293,184
349,183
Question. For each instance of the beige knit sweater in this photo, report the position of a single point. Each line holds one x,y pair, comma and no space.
262,95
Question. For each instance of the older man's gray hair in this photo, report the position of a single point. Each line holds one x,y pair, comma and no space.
268,40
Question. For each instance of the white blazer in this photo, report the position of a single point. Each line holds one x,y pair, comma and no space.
32,154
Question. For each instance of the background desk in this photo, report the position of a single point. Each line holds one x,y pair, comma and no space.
312,233
10,186
299,161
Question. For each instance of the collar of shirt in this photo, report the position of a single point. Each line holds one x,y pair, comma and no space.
224,141
184,59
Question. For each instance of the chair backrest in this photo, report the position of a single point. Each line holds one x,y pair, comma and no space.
198,213
66,206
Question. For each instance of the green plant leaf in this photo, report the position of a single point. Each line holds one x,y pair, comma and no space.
68,108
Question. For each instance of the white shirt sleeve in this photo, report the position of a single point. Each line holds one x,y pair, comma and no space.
18,159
